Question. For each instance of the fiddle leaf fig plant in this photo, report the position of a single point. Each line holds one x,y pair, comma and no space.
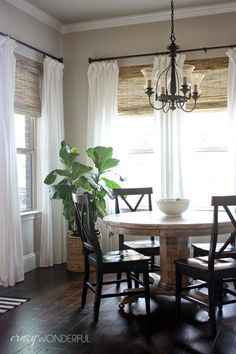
73,176
99,185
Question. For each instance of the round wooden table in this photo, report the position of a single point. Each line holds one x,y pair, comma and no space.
174,233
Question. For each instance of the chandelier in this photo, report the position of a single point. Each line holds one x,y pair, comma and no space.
173,88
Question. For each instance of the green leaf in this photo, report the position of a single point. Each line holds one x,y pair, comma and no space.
90,153
110,183
78,169
110,163
51,177
68,209
84,183
68,153
62,172
99,154
61,191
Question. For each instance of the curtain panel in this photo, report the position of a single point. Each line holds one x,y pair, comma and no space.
169,142
102,102
53,227
11,254
102,114
231,53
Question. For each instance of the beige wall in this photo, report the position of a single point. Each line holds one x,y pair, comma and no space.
146,38
26,28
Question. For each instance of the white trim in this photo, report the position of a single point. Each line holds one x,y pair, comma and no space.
31,261
187,12
150,17
37,13
30,215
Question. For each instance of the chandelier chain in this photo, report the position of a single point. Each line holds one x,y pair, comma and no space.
172,36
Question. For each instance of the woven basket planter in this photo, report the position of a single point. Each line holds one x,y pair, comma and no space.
75,257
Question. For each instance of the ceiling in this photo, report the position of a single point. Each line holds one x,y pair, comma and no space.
74,11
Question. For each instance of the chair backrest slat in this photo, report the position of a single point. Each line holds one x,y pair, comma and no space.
123,193
84,222
225,202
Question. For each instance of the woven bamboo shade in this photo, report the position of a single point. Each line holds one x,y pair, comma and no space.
28,87
133,101
215,83
131,97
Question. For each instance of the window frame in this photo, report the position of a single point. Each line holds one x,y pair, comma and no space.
32,153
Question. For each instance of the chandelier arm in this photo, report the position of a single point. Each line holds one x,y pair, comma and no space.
162,73
157,109
190,110
168,108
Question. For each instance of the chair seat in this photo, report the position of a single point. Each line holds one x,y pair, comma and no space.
142,244
123,256
146,247
203,249
202,263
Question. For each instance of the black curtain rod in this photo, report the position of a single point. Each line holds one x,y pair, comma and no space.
205,49
31,47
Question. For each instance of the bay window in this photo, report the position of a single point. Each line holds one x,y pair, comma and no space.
206,160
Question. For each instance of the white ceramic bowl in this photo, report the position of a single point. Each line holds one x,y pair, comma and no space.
173,207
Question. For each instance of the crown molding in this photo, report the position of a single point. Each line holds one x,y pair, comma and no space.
37,13
150,17
187,12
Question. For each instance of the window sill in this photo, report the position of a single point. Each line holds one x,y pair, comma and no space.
30,214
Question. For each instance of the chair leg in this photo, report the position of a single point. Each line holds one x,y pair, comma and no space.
147,291
97,301
86,279
119,275
219,292
152,268
178,292
211,302
136,283
129,281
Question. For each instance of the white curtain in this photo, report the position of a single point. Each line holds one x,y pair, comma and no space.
11,255
169,143
102,114
231,53
53,227
102,102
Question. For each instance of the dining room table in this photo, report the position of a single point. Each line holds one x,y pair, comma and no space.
174,234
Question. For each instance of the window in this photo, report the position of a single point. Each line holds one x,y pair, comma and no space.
25,159
27,109
206,160
207,164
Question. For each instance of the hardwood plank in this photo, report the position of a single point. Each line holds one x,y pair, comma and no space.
53,316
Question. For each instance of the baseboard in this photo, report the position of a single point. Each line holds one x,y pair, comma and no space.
31,261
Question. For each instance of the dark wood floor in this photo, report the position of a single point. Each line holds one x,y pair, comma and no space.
52,322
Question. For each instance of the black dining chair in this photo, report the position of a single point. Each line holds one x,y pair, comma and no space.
212,270
127,261
202,249
150,246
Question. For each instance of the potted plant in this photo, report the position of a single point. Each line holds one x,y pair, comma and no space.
92,180
63,183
